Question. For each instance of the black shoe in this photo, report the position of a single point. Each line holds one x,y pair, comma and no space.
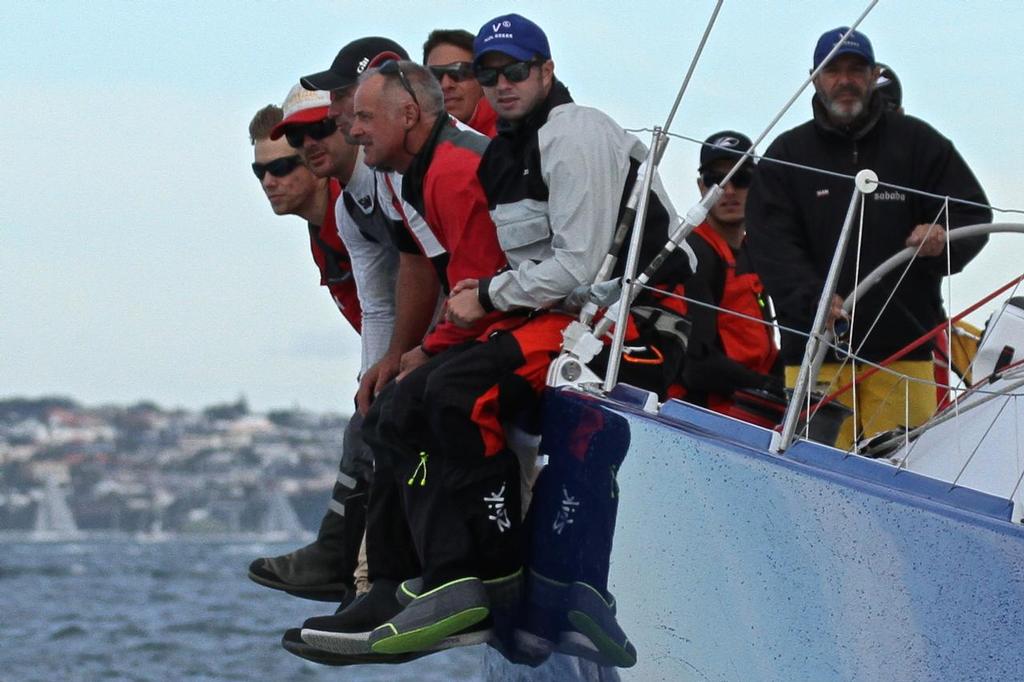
293,644
347,631
309,572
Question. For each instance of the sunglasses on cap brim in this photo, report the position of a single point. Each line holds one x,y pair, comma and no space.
296,134
278,167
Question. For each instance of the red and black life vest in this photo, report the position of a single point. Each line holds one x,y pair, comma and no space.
335,266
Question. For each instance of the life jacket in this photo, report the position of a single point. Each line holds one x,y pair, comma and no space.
743,340
334,263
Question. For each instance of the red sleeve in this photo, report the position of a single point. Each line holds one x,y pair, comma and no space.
469,234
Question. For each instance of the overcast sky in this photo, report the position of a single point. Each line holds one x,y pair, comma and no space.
140,260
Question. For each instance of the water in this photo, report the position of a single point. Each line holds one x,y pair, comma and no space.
120,610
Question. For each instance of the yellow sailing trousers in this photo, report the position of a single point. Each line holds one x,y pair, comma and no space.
881,398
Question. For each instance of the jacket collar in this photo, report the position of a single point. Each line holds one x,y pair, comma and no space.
558,95
414,174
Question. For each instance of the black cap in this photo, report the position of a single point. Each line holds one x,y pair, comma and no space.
727,144
888,86
351,61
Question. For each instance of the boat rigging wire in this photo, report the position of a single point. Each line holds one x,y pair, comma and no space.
980,441
694,217
875,367
638,200
883,365
987,396
906,270
693,65
760,158
1016,431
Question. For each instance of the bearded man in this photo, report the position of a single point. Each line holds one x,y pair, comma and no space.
795,214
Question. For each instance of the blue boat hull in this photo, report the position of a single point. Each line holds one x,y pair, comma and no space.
731,563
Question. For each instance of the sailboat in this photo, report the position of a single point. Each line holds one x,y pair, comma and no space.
280,522
54,521
754,553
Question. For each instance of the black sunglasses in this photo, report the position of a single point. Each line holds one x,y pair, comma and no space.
740,180
278,167
318,131
516,72
390,68
457,71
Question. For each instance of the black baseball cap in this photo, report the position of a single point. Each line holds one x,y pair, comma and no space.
351,61
727,144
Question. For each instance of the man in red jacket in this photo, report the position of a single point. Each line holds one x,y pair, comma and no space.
402,124
726,351
449,56
299,182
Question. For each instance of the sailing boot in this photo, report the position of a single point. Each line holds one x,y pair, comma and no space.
595,634
543,617
347,631
322,570
505,596
452,608
293,643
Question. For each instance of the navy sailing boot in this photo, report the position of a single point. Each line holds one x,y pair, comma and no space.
595,634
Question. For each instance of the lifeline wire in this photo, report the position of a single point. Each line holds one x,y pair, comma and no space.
821,171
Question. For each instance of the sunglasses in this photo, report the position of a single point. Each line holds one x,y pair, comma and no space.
318,131
391,68
516,72
278,167
457,71
741,180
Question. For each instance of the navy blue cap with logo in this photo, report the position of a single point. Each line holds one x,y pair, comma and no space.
857,43
511,34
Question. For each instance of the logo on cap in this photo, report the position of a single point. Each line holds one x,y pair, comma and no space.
361,66
726,142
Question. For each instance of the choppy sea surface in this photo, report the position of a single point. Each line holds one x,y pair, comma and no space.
176,610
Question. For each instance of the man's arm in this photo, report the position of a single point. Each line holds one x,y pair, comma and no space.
456,205
947,174
416,292
373,268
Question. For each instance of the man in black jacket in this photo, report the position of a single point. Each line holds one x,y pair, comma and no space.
794,217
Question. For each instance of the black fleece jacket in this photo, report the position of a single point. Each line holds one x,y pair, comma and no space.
794,218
